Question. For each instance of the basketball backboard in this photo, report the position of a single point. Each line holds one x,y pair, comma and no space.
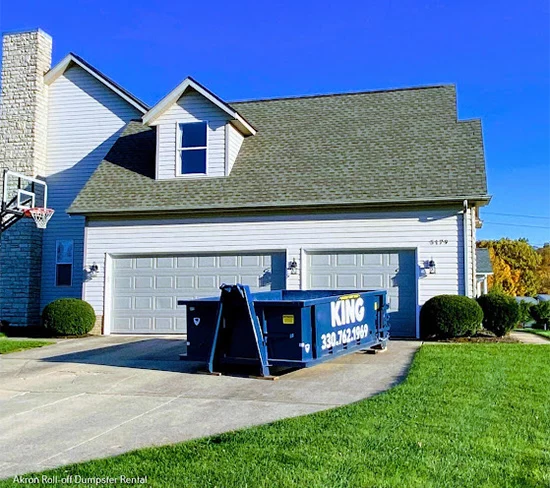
20,194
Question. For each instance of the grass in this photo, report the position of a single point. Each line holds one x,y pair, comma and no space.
13,345
468,415
544,333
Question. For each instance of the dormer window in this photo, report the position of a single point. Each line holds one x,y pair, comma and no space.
191,153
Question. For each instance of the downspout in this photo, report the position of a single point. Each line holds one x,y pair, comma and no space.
466,247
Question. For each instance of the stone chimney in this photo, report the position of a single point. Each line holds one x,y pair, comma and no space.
26,57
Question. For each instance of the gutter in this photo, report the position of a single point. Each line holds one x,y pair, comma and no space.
319,207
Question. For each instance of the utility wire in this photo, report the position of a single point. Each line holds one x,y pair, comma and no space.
517,225
517,215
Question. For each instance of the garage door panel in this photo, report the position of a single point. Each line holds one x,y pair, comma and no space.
164,303
123,283
346,281
207,262
320,281
143,282
185,262
164,263
164,324
143,303
164,282
346,260
123,263
146,288
123,324
375,280
391,270
144,263
320,259
229,261
123,303
187,282
206,282
143,324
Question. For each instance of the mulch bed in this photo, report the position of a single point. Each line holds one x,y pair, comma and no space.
478,338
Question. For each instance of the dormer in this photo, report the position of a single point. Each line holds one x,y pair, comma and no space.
198,134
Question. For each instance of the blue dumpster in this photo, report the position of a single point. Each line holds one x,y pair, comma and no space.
283,328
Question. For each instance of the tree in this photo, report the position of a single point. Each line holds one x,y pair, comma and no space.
515,265
543,271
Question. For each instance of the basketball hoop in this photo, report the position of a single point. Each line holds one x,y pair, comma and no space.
40,215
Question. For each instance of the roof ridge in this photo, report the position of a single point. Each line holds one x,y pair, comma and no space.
340,94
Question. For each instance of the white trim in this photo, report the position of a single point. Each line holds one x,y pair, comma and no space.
179,149
60,68
84,257
177,92
157,131
417,281
466,249
303,266
107,294
226,150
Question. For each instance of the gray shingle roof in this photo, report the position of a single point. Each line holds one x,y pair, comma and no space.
369,148
483,261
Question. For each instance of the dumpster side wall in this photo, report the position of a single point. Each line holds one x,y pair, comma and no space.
435,234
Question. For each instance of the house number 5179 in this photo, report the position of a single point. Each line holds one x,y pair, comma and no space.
439,242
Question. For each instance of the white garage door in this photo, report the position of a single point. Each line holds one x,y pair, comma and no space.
393,271
146,288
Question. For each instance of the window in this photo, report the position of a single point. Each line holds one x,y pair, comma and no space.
192,148
64,263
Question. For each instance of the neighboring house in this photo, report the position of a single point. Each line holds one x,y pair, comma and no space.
484,269
363,190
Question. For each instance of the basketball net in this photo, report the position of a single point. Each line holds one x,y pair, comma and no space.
40,215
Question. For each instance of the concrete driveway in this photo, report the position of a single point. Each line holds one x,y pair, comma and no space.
90,398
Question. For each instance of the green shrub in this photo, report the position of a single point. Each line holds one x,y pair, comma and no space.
525,312
541,314
450,316
68,316
500,313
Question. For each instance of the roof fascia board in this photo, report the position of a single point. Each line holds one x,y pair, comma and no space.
177,92
62,66
389,204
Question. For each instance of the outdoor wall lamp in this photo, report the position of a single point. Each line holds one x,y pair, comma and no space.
93,270
431,266
293,266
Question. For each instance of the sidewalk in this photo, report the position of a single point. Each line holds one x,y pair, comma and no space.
529,338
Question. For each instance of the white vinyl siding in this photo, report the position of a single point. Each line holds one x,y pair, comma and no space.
234,142
191,107
296,235
84,120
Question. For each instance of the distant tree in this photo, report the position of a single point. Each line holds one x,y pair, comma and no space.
515,264
543,271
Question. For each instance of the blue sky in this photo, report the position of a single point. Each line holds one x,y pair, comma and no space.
497,52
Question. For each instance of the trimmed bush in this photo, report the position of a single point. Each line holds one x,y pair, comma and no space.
524,313
68,316
500,313
450,316
541,314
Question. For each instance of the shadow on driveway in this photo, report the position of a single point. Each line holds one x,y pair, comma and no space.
152,353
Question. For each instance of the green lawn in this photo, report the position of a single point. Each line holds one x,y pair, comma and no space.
13,345
468,415
544,333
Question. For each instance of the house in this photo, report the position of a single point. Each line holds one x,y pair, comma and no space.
484,269
376,189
